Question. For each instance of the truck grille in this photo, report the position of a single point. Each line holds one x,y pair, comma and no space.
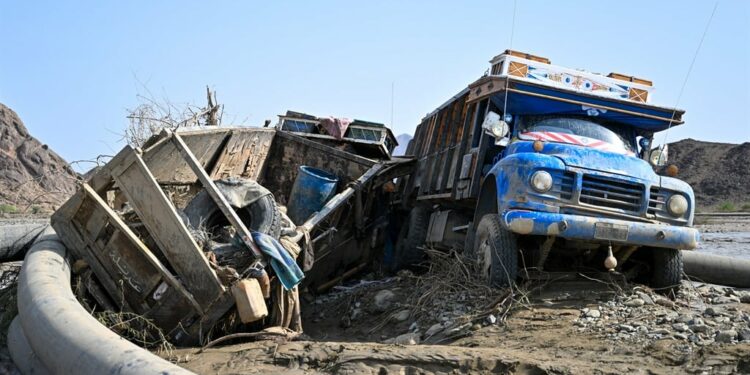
563,184
606,193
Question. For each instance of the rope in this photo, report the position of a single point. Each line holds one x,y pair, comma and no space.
512,31
690,69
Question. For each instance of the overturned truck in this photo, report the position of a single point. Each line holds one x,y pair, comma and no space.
200,221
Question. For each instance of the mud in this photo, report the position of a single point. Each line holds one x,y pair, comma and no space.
539,337
372,326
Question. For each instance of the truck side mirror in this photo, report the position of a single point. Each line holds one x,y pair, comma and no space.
496,127
658,156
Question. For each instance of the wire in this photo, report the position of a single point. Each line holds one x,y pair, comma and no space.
684,83
512,31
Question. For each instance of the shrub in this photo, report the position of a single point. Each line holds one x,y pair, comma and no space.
726,207
8,208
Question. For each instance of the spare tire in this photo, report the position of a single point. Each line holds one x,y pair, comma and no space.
253,203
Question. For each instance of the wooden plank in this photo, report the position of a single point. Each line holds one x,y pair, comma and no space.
168,167
167,229
138,245
244,155
217,196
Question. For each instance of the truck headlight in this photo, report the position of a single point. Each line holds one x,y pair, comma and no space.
541,181
677,205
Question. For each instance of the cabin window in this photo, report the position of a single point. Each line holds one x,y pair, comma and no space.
298,126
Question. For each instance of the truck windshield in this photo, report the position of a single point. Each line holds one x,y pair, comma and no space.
580,131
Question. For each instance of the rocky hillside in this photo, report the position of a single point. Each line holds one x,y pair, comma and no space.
718,172
33,178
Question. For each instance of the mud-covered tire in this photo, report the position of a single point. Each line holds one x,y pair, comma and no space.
261,215
666,270
496,251
411,238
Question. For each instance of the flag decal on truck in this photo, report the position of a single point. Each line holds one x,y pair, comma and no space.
574,140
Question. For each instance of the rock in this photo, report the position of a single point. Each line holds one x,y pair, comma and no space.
491,319
744,334
645,297
680,336
411,338
635,302
665,302
383,300
745,297
699,328
401,316
660,331
414,326
595,314
722,300
476,327
434,329
712,311
626,328
726,336
680,327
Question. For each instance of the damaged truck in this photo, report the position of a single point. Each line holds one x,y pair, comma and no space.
214,231
542,168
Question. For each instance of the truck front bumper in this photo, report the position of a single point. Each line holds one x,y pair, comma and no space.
600,229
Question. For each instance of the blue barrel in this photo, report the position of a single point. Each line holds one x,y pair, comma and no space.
312,189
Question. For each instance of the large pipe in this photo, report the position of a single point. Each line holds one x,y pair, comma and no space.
61,332
716,269
23,356
15,239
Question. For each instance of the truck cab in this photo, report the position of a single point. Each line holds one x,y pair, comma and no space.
550,169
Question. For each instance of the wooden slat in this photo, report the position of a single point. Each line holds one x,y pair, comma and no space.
138,245
244,155
161,219
216,195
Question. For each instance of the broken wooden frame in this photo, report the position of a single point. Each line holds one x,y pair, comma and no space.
151,265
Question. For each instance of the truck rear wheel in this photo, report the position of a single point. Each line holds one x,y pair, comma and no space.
411,238
666,270
496,252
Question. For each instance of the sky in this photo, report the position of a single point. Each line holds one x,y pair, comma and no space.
72,69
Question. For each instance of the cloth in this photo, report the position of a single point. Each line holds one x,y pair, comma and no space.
282,262
335,127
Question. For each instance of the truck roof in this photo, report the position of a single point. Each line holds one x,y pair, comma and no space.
535,86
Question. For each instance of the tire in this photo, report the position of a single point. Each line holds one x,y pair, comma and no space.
411,238
260,215
666,270
496,251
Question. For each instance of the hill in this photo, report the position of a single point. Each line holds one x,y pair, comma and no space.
718,172
33,178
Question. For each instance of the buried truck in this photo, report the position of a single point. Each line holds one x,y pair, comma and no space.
213,231
544,168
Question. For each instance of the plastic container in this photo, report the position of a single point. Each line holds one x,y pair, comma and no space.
312,189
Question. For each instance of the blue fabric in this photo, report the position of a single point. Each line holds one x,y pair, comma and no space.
283,264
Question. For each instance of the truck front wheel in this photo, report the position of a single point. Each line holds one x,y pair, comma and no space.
496,252
666,270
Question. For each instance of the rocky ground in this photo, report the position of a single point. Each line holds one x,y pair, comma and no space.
561,328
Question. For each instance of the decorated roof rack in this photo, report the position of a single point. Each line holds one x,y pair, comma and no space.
536,86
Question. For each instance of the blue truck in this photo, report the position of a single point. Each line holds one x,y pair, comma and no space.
538,167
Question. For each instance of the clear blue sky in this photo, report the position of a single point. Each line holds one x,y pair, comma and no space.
70,69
